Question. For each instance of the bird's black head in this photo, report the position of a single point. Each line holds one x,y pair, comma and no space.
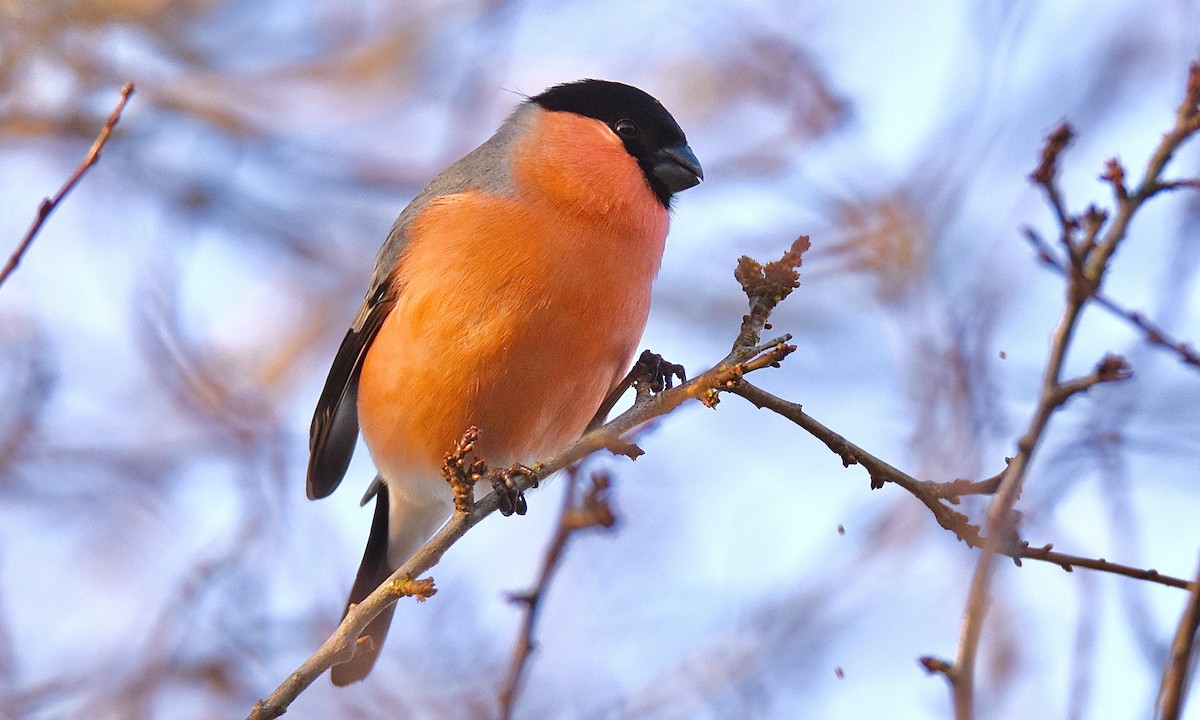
648,131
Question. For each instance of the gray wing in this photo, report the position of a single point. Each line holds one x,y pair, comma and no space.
334,430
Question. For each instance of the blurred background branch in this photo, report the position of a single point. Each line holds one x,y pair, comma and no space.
591,511
1177,672
47,206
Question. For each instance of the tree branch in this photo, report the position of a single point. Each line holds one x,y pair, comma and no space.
1150,331
593,512
48,205
1090,255
765,287
1175,678
880,472
932,494
1070,562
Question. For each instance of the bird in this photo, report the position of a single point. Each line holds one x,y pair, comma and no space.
510,295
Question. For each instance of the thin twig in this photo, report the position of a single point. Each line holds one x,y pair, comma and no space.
593,512
1046,177
1175,678
932,494
48,205
1112,368
1067,562
1150,331
1190,184
880,472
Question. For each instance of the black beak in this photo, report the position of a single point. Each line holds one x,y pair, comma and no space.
677,168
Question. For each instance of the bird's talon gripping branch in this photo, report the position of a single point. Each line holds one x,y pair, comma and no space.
653,373
512,498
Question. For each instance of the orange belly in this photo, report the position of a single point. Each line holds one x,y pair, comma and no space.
519,325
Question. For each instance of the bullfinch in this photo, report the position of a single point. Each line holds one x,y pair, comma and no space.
510,295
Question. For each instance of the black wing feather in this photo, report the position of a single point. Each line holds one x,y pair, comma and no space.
334,430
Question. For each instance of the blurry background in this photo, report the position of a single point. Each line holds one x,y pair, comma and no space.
163,343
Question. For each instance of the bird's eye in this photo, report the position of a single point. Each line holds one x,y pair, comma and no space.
625,128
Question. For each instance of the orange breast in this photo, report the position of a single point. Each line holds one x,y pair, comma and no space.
518,314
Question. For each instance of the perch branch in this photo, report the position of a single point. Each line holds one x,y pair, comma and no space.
765,286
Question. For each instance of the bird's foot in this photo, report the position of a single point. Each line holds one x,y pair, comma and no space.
512,498
652,373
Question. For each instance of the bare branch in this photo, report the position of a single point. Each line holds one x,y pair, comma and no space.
1173,690
937,666
1070,562
462,474
1089,262
931,494
1187,122
880,471
766,286
1113,368
1046,177
1190,184
773,282
593,512
340,646
48,205
1151,332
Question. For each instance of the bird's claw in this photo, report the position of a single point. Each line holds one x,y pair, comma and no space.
512,498
653,373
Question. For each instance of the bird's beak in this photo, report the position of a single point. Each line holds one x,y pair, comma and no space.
677,168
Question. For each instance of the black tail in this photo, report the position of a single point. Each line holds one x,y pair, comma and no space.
371,573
